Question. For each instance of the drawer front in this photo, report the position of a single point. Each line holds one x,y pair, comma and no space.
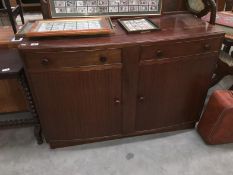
56,60
177,49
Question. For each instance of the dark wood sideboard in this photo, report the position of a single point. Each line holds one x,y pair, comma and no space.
88,89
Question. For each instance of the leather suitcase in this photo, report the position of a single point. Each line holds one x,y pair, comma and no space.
216,123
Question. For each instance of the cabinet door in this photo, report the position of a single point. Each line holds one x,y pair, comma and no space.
172,91
79,103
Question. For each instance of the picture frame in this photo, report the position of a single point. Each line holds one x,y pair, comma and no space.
138,25
85,8
67,27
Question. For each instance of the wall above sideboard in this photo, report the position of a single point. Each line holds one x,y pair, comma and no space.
174,6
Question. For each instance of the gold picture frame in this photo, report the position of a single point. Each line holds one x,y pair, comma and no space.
67,27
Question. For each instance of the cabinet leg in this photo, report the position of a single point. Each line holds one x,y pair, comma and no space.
38,134
216,79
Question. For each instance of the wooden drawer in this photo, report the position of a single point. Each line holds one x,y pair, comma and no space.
177,49
56,60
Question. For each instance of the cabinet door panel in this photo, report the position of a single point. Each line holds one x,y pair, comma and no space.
79,104
172,92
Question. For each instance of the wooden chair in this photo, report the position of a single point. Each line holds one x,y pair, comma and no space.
225,61
224,68
225,5
228,42
12,12
12,67
229,5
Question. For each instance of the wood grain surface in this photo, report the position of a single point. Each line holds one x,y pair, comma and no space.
12,98
6,36
11,95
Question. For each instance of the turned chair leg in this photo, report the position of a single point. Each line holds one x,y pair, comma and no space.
32,108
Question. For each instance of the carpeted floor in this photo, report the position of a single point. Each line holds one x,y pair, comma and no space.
174,153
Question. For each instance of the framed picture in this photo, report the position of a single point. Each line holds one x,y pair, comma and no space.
138,25
67,27
78,8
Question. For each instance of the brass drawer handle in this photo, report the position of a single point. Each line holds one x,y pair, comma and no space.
159,53
44,61
207,47
103,59
141,98
117,101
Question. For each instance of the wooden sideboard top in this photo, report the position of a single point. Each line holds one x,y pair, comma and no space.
179,26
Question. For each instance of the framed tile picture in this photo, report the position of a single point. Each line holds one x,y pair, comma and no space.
77,8
138,25
67,27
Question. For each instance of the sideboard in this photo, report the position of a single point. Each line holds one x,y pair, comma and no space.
94,88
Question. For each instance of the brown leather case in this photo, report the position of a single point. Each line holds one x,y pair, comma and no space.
216,124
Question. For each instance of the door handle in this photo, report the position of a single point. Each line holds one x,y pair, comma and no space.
141,99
